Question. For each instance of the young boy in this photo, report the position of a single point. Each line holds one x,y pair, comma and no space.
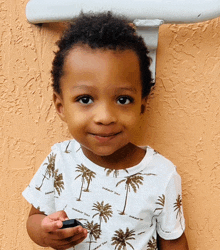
126,197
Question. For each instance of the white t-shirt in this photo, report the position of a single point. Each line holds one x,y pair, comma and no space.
121,209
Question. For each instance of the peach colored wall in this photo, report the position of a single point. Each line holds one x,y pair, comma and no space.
182,120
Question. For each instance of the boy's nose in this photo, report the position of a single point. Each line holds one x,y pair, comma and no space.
105,114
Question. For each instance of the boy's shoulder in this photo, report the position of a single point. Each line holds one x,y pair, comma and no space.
159,162
68,146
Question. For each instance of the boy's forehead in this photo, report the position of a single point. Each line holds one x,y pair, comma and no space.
85,59
87,51
85,65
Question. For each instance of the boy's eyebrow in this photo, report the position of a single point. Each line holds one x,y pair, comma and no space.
83,86
129,89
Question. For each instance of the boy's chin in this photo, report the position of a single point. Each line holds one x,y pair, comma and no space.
106,152
100,152
103,153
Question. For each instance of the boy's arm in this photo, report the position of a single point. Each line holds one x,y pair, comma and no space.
45,230
178,244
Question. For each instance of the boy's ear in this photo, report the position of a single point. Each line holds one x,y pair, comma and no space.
58,103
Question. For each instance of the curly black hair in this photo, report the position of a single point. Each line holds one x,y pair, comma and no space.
102,31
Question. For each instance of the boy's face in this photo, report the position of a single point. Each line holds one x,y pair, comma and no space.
101,99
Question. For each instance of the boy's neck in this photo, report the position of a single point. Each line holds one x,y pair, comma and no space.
126,157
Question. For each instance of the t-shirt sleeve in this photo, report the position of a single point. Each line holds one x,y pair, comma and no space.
40,191
171,222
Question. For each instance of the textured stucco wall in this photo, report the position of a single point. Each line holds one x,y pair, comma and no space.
182,120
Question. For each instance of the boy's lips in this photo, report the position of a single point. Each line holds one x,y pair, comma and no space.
103,137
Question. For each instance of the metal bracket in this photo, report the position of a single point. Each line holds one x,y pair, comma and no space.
149,30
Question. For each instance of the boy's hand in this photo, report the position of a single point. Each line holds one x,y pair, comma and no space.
58,238
45,230
54,221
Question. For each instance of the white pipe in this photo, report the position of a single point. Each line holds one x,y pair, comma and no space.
170,11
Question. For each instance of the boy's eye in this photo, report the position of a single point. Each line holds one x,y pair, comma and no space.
85,100
125,100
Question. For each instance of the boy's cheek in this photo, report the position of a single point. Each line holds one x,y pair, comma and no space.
132,119
75,117
136,131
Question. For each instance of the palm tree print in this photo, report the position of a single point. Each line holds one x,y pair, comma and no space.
91,175
104,211
49,170
109,171
58,182
114,171
120,239
152,244
160,202
133,182
84,174
178,208
94,231
66,150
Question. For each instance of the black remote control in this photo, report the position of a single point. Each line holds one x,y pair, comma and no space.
71,223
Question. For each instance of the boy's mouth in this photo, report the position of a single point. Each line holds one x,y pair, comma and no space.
105,137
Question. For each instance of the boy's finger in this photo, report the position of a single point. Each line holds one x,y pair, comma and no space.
60,215
68,243
51,226
71,232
